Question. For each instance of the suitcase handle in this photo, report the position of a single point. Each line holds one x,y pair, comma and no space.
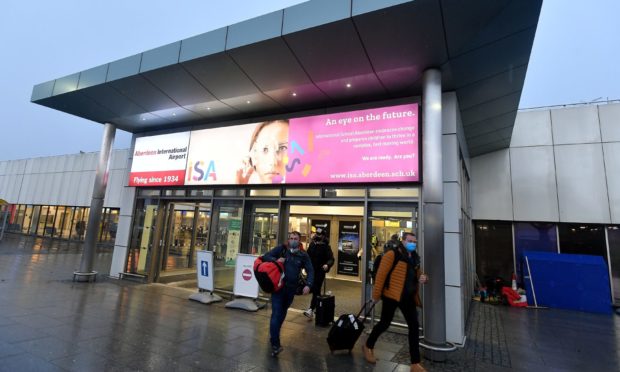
366,312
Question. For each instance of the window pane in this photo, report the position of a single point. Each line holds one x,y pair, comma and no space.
395,193
533,236
27,219
303,192
200,192
229,192
265,192
582,239
148,192
42,219
493,251
613,236
344,193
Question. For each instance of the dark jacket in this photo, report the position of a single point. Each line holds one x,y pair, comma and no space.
293,265
320,254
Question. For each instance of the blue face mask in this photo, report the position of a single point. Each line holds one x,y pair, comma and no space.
410,246
293,244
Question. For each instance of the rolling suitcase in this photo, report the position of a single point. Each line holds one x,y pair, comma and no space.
344,333
326,304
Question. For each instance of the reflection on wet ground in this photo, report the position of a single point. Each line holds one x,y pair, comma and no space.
49,323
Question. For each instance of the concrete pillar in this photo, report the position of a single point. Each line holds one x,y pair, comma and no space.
86,272
433,220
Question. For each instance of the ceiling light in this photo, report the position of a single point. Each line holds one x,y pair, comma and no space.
208,108
248,102
174,114
143,119
294,94
348,85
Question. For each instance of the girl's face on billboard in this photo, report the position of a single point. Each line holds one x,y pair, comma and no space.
269,151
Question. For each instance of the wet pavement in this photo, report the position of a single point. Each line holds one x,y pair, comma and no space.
49,323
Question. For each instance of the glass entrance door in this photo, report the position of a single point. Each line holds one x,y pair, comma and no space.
263,224
386,220
186,231
143,237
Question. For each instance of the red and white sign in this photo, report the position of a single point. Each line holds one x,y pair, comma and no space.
245,282
160,160
247,275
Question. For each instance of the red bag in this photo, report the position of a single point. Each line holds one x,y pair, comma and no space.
513,297
269,275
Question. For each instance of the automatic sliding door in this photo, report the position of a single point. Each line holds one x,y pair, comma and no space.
226,240
384,221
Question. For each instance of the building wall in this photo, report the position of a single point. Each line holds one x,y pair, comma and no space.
563,165
61,180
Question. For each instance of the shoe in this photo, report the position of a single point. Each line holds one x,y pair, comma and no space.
275,350
369,355
309,313
417,367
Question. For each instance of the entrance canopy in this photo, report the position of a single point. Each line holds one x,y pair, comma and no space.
315,55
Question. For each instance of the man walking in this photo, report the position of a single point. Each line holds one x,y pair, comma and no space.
294,259
322,259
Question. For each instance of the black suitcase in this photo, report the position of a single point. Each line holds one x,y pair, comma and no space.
344,333
325,306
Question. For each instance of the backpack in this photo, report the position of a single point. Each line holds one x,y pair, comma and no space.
269,275
390,245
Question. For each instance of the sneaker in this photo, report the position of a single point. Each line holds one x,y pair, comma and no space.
309,313
369,355
275,350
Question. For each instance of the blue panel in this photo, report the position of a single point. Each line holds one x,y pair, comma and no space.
536,236
569,281
66,84
254,30
203,45
93,76
160,57
124,67
367,6
43,90
315,13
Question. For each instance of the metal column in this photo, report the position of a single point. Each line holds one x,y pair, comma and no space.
432,199
86,272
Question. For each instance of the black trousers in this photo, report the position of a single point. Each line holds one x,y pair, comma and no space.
407,307
319,278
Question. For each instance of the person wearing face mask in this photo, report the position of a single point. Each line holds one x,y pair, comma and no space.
396,283
294,259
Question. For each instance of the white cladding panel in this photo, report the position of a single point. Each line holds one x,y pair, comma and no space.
450,158
114,188
56,184
119,159
612,169
534,191
582,190
455,320
490,186
532,128
575,125
3,167
609,115
451,206
452,252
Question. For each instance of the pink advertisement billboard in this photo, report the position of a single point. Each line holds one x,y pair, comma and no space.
373,145
364,146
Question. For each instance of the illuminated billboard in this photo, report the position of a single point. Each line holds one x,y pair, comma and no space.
159,160
363,146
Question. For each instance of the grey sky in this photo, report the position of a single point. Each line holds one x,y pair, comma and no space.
574,59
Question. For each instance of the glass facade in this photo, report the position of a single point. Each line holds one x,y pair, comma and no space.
61,222
497,241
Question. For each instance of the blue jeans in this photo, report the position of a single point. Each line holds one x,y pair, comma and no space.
280,302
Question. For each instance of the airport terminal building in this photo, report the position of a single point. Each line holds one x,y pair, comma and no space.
366,118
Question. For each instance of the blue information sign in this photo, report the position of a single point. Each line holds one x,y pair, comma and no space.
204,268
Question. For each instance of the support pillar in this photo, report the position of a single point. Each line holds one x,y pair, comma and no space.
86,273
433,223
